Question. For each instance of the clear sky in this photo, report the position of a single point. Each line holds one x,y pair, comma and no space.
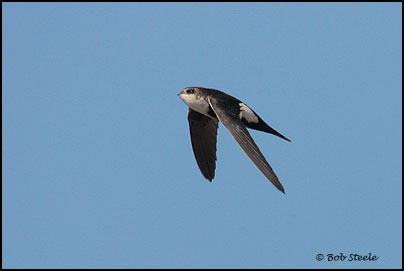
98,169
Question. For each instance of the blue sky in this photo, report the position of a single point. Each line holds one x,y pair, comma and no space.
98,169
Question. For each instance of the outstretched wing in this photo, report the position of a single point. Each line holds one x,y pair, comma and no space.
203,132
239,132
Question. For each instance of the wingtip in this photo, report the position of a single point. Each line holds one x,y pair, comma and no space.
280,188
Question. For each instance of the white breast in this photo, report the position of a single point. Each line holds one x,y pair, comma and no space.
247,114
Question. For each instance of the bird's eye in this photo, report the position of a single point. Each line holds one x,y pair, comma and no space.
190,91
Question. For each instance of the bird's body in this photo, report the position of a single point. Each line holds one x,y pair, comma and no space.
206,108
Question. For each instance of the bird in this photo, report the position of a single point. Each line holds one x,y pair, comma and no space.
206,108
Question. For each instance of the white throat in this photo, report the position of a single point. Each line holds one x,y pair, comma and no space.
199,105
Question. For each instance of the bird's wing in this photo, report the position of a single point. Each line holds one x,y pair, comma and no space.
203,132
243,138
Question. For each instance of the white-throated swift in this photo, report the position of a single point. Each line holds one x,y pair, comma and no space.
209,106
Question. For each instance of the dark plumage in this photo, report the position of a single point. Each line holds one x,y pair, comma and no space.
206,108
